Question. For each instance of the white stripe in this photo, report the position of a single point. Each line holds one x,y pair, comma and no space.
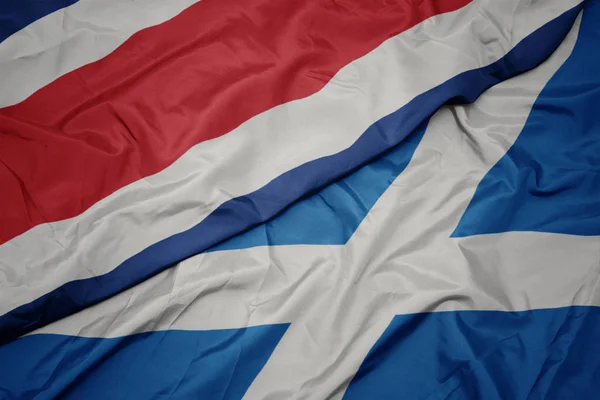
339,299
72,37
264,147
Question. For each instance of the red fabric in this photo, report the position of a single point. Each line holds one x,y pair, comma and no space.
169,87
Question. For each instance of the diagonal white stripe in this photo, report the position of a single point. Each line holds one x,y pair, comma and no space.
72,37
264,147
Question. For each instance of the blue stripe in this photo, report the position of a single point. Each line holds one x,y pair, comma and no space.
549,180
332,215
17,14
243,213
217,364
539,354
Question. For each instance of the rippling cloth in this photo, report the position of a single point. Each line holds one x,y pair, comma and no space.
299,199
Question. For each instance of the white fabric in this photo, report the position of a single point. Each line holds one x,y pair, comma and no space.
72,37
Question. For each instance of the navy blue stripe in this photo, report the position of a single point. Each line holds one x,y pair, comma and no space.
214,364
331,215
549,180
243,213
17,14
492,355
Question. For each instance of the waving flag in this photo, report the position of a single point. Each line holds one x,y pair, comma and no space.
299,199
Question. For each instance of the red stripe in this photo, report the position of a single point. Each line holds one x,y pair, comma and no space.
169,87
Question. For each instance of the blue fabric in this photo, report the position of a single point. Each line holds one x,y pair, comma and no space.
491,355
332,215
549,180
217,364
17,14
243,213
